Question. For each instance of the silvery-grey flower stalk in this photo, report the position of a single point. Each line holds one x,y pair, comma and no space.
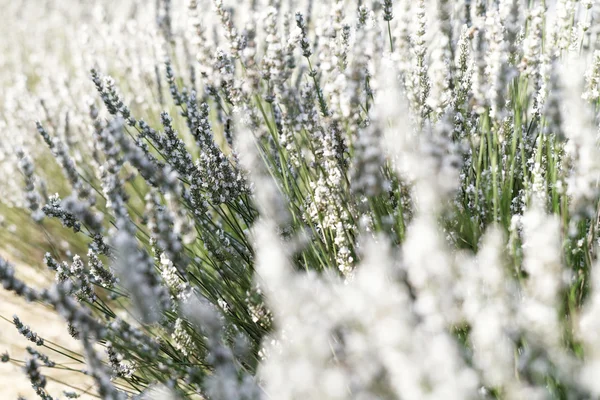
42,357
326,33
309,115
81,210
192,113
50,262
141,141
223,63
133,337
44,134
175,94
163,177
80,317
32,197
137,274
10,282
510,12
174,148
99,245
54,209
304,43
62,268
163,19
287,138
445,21
100,372
552,107
159,89
388,13
28,333
356,87
31,368
290,45
273,69
60,152
112,100
269,196
538,191
343,47
133,265
439,73
164,234
120,369
228,380
118,101
202,43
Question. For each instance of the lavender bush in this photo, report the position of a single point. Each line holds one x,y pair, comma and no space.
308,200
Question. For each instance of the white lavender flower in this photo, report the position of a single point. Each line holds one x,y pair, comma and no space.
79,275
366,173
541,244
335,324
120,369
318,211
183,340
586,326
491,313
581,147
592,80
216,174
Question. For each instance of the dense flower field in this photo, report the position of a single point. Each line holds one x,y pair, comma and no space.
267,199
